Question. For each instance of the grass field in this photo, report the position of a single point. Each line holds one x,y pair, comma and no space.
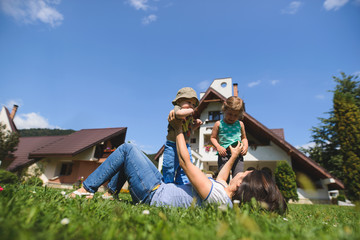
29,212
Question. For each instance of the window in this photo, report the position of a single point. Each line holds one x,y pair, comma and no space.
215,115
66,169
193,140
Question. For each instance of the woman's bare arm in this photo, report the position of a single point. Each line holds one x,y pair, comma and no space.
197,178
225,170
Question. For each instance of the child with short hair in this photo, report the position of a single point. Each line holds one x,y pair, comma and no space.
184,104
230,131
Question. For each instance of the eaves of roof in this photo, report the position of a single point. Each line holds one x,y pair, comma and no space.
11,121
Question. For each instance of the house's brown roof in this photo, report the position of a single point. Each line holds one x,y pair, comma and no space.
77,142
25,146
279,132
11,121
31,148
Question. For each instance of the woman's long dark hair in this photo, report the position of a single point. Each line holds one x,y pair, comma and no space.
260,185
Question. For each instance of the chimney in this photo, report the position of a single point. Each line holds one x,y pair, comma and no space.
235,88
13,112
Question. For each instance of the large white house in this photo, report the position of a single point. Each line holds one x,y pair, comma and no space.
266,146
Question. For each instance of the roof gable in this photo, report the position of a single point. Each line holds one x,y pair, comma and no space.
211,95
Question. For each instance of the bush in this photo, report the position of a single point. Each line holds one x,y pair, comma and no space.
286,181
7,177
34,181
341,198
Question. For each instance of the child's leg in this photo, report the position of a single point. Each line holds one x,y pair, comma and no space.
138,170
238,165
117,182
168,169
180,176
221,162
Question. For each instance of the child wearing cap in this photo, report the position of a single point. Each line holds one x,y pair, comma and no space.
184,104
230,131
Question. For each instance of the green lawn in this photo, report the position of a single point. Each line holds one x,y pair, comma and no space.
41,213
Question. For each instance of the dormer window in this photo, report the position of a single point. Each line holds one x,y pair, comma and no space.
215,116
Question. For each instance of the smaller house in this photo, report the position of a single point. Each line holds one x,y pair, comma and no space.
62,160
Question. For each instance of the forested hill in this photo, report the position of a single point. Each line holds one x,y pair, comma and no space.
33,132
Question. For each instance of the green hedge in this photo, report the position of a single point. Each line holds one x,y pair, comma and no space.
7,177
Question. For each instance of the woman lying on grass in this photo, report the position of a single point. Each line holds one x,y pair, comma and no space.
128,163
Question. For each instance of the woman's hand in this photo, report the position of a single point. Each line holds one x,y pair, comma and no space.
235,151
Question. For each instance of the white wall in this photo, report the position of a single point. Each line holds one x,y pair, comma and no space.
267,153
224,89
4,119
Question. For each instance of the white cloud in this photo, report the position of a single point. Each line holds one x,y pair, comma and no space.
31,11
320,96
13,102
358,72
139,4
253,84
149,19
334,4
306,146
204,85
31,120
274,82
292,8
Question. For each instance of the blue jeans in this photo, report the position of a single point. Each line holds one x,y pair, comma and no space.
126,163
171,168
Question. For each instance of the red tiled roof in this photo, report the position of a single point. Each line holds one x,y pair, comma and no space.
77,142
279,132
32,148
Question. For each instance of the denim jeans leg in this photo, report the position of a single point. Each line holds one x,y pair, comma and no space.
138,170
168,167
180,176
142,175
117,182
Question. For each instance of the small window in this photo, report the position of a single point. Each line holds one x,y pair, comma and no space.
66,169
215,116
193,140
223,84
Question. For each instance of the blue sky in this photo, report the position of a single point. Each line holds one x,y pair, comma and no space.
119,63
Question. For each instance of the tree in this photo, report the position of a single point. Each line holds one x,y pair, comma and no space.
8,143
286,181
347,114
337,139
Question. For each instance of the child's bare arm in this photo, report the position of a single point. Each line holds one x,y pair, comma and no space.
244,139
183,113
214,141
196,124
